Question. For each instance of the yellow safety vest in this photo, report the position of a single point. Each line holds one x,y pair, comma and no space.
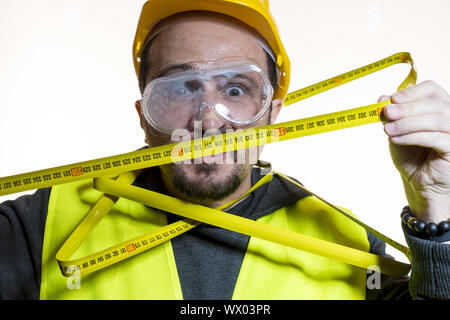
268,271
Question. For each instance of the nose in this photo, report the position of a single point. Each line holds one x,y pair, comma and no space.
209,117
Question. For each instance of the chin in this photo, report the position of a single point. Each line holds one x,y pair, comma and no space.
207,182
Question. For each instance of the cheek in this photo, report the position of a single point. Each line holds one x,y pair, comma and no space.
265,120
155,138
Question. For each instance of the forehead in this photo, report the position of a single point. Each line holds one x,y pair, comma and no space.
203,39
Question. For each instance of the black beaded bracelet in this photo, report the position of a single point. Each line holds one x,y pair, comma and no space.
432,231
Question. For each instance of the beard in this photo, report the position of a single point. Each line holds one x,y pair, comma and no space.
207,182
203,184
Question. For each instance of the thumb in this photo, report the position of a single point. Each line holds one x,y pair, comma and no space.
383,98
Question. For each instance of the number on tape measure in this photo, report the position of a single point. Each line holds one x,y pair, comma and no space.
218,144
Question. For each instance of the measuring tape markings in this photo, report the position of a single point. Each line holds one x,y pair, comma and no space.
117,253
128,248
186,150
241,139
401,57
249,227
258,136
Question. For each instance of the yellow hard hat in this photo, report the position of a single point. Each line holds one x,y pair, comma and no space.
254,13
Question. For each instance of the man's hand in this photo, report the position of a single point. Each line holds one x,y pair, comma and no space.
418,126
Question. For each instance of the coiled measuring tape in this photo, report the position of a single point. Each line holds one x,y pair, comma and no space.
112,166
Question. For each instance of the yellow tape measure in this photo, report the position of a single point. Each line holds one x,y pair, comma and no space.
242,225
129,162
126,249
156,156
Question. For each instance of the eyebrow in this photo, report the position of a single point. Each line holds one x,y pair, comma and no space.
172,69
187,67
245,77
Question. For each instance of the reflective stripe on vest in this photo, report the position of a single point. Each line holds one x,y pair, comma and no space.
268,271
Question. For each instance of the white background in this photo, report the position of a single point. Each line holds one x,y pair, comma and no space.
67,88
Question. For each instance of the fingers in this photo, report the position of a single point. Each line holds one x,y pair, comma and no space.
383,98
438,141
419,116
421,123
427,89
421,107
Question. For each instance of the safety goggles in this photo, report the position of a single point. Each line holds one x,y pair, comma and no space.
239,92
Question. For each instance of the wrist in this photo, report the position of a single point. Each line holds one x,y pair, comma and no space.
439,232
426,205
432,211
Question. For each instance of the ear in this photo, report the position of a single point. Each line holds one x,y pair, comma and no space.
137,105
276,108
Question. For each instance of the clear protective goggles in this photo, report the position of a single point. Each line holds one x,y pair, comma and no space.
237,91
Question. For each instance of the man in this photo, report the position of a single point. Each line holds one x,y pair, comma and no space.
202,63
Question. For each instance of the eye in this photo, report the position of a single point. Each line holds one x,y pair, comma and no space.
234,91
181,91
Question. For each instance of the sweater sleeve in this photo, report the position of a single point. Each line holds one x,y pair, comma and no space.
388,288
430,271
22,224
430,275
